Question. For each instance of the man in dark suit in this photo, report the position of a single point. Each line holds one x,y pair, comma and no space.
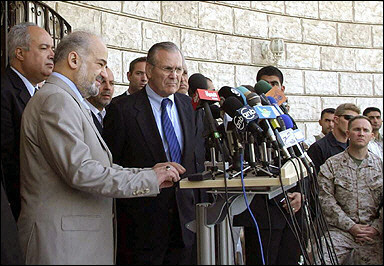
98,103
31,61
136,76
138,130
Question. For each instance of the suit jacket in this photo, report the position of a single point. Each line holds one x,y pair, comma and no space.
14,98
131,133
10,246
68,181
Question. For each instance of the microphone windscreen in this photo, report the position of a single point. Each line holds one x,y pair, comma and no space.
271,99
287,121
231,105
262,87
197,81
227,92
253,99
243,90
215,110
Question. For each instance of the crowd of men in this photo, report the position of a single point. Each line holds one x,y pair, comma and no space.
93,179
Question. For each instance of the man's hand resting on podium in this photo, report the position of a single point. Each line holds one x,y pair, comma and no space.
294,200
168,173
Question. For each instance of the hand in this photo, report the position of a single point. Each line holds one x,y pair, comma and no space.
294,200
168,173
363,233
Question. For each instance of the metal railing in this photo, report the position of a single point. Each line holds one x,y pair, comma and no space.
16,12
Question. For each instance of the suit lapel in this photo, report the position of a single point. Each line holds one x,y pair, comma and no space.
86,112
148,126
19,85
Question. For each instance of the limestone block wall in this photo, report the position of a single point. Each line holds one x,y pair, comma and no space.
333,49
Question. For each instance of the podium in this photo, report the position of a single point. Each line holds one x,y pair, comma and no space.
210,214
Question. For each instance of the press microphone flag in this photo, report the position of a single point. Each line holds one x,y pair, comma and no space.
277,94
204,95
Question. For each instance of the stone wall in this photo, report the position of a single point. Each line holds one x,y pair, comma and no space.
333,49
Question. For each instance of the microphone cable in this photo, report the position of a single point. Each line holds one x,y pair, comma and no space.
249,209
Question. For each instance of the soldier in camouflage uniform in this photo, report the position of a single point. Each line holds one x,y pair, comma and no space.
351,194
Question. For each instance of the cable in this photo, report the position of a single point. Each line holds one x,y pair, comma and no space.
249,209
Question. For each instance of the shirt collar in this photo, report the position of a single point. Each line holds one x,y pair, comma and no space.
27,83
73,88
157,99
94,110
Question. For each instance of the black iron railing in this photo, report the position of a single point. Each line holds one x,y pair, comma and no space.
16,12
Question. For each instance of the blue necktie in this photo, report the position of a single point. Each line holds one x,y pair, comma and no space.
173,144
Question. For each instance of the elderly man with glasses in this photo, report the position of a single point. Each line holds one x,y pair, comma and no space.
335,141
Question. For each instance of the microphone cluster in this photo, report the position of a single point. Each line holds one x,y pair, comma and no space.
254,124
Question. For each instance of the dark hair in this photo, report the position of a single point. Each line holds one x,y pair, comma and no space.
270,71
371,109
327,111
135,61
358,117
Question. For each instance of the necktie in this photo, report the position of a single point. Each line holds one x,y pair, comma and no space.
169,132
101,118
36,89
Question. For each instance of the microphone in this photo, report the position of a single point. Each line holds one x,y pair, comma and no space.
252,98
197,81
299,152
244,116
262,87
227,91
201,99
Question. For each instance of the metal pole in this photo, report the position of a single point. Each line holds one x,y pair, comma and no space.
205,236
225,243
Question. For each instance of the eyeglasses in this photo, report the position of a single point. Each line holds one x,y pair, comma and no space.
170,70
348,117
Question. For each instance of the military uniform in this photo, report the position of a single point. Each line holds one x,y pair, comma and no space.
349,195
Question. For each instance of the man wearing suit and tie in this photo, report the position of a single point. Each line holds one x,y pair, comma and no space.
31,61
98,103
67,176
156,124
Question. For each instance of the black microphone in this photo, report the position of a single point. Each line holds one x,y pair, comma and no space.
202,98
226,92
197,81
244,116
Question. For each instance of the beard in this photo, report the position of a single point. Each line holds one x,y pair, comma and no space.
87,88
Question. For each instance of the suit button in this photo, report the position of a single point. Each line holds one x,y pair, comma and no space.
146,190
134,193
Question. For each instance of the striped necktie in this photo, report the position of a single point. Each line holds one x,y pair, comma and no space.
169,132
101,118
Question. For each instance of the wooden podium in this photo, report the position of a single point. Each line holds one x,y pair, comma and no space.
210,214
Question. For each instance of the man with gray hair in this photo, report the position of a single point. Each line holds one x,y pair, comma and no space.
67,176
30,62
156,124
